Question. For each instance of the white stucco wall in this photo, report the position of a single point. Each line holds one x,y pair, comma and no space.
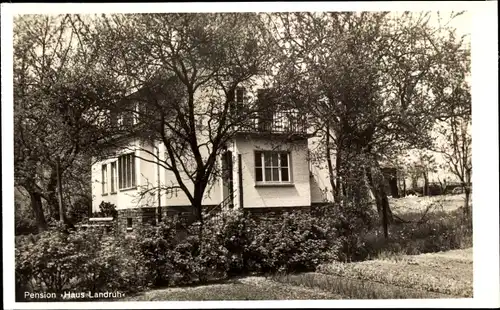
146,178
295,195
128,198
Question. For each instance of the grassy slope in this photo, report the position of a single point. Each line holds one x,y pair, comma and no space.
434,275
446,273
253,288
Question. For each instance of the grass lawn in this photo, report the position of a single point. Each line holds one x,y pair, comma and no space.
434,275
448,273
250,288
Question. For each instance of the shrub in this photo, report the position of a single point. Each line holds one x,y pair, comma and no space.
58,260
79,209
289,243
106,209
349,225
24,220
156,246
441,232
229,233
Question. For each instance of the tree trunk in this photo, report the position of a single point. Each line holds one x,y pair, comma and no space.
404,187
338,167
425,190
381,199
330,167
36,206
52,195
466,202
62,213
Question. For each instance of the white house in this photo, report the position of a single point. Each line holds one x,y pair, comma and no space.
266,172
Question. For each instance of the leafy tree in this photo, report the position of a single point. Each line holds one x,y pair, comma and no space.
57,83
373,84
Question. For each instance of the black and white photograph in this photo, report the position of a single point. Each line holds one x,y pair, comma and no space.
268,154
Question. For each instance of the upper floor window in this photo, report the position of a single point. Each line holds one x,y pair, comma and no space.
126,171
237,105
125,118
272,166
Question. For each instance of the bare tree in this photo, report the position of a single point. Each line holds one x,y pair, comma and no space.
457,152
189,70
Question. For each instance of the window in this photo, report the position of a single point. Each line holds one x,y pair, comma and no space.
129,223
272,167
126,171
126,120
265,112
240,95
237,105
104,179
113,177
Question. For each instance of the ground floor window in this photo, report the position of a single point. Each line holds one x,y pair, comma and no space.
272,166
126,171
104,179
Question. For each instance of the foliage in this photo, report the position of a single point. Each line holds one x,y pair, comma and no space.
291,242
58,82
441,232
24,220
57,261
351,224
371,83
79,209
234,244
107,209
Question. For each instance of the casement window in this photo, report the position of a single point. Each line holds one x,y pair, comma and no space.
104,179
272,167
113,177
126,119
237,106
129,224
126,171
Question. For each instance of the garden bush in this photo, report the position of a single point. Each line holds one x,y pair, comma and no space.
289,243
106,209
348,225
442,231
59,260
235,243
174,255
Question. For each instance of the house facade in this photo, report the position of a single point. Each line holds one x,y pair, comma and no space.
266,167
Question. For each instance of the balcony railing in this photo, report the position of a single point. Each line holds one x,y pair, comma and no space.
286,122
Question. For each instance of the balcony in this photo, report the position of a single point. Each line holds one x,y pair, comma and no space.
281,122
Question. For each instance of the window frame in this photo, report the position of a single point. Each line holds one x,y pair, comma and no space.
104,179
114,176
125,168
264,165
